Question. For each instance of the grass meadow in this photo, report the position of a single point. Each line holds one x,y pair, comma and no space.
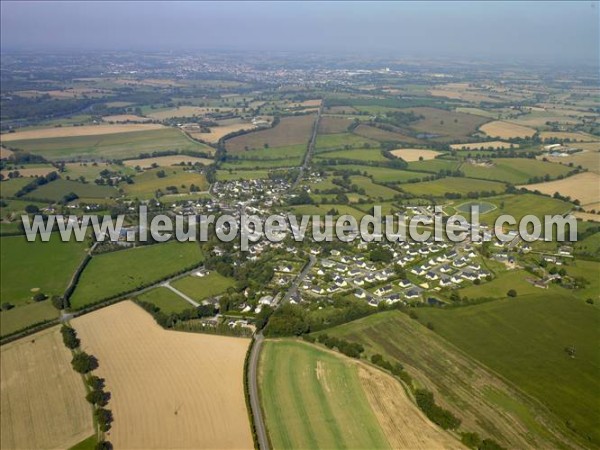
313,398
200,288
122,271
109,146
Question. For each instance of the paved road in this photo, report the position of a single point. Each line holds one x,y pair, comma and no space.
181,294
309,150
259,423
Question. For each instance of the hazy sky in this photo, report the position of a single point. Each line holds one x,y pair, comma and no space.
546,30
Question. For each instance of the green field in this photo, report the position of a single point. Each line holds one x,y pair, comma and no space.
167,300
374,190
515,170
230,174
257,164
485,403
331,141
499,286
434,165
30,267
8,188
24,316
324,209
360,154
382,174
147,183
200,288
123,271
484,207
110,146
288,152
302,411
57,189
463,186
521,205
524,340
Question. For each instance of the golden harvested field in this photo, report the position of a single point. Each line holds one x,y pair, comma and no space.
184,111
413,154
42,398
496,145
584,187
169,389
290,131
86,130
563,135
33,172
162,161
217,133
468,93
506,130
589,160
5,153
121,118
587,216
403,424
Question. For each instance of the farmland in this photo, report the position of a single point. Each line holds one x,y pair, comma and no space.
568,136
109,145
379,134
201,288
506,130
414,154
26,315
66,132
144,265
37,385
485,403
312,397
356,154
448,125
57,189
438,188
219,132
512,338
588,159
583,187
163,161
148,183
341,140
167,300
332,125
514,170
230,174
289,131
494,145
31,267
382,174
145,377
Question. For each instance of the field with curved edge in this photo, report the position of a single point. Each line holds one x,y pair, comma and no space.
168,389
484,402
42,398
316,398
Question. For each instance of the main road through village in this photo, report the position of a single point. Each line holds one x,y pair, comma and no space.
259,423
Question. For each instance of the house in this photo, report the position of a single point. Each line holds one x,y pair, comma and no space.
412,294
286,269
380,276
445,268
392,298
370,279
565,250
359,281
339,281
469,276
327,263
320,272
354,272
456,279
335,252
418,270
445,282
384,290
404,283
340,268
318,290
332,289
266,300
431,275
360,294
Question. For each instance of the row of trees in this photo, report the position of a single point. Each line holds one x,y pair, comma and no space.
85,363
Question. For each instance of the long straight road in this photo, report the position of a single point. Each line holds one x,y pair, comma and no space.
259,423
309,149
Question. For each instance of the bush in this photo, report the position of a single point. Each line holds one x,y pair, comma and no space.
6,306
436,414
512,293
39,297
104,418
104,445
